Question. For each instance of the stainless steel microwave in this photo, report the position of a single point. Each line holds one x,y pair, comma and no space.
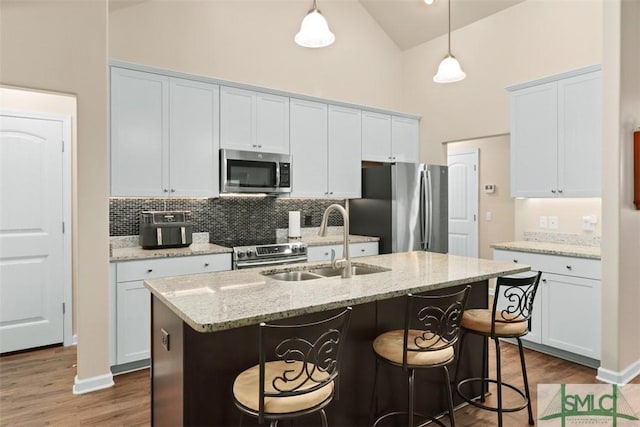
254,172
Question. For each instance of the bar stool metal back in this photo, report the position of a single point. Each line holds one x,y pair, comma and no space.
431,330
298,370
509,317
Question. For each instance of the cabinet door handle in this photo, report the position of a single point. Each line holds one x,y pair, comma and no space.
259,146
553,191
559,191
164,190
206,264
331,192
544,280
361,250
149,270
173,190
569,267
515,260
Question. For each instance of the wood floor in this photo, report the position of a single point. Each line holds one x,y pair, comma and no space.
36,390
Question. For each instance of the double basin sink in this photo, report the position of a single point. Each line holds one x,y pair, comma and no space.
316,272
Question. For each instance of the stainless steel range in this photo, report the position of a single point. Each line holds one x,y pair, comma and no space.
271,254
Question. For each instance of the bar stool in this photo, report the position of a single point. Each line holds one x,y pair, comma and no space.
298,370
509,317
431,329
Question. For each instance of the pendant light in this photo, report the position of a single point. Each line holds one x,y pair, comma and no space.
449,70
314,30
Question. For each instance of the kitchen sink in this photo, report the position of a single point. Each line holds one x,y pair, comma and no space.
356,270
293,276
321,272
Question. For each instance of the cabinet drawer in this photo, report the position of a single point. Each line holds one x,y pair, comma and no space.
323,253
571,266
163,267
363,249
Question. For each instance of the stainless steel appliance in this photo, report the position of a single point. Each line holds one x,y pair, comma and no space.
406,205
165,229
270,254
254,172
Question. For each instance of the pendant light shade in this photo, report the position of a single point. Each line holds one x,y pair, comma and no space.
314,30
449,70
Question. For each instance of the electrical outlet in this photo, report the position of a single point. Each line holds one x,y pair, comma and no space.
487,216
553,222
164,339
542,222
589,222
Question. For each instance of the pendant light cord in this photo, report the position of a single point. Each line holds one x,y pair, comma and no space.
449,38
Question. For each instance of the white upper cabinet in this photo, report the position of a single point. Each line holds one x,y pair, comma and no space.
556,137
193,139
254,121
308,149
139,133
376,137
405,138
580,134
164,136
345,138
387,138
325,148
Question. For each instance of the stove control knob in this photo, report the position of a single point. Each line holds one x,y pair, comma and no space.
295,248
241,254
251,253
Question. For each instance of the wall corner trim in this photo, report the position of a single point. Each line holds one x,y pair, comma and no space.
622,377
92,384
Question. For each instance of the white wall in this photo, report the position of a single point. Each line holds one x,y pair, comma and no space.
61,46
252,42
568,211
530,40
621,222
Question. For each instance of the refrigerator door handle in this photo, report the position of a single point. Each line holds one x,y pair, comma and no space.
422,213
429,221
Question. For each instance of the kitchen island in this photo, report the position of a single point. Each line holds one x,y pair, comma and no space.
204,331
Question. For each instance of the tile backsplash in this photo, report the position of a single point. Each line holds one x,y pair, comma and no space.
229,221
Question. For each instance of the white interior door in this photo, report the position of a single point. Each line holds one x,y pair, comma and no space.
31,233
463,204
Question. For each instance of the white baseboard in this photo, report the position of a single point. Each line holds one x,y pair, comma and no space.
622,377
74,339
92,384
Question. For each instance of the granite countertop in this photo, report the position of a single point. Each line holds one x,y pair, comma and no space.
137,253
331,239
127,249
224,300
551,248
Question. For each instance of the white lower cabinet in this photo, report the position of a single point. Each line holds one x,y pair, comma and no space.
323,253
566,313
132,301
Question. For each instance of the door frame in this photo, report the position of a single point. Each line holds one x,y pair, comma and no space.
67,190
474,195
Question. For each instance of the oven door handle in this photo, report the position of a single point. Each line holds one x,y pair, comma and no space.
260,263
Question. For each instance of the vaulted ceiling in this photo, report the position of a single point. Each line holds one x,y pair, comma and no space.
407,22
411,22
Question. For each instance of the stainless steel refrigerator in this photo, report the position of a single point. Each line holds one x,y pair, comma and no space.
406,205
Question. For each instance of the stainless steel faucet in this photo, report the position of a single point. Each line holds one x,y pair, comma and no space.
343,263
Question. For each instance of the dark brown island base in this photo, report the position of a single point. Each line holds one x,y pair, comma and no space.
205,330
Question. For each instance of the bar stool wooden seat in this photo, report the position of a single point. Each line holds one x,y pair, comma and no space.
297,373
508,317
431,329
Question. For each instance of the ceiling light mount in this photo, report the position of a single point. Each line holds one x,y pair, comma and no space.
449,70
314,30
